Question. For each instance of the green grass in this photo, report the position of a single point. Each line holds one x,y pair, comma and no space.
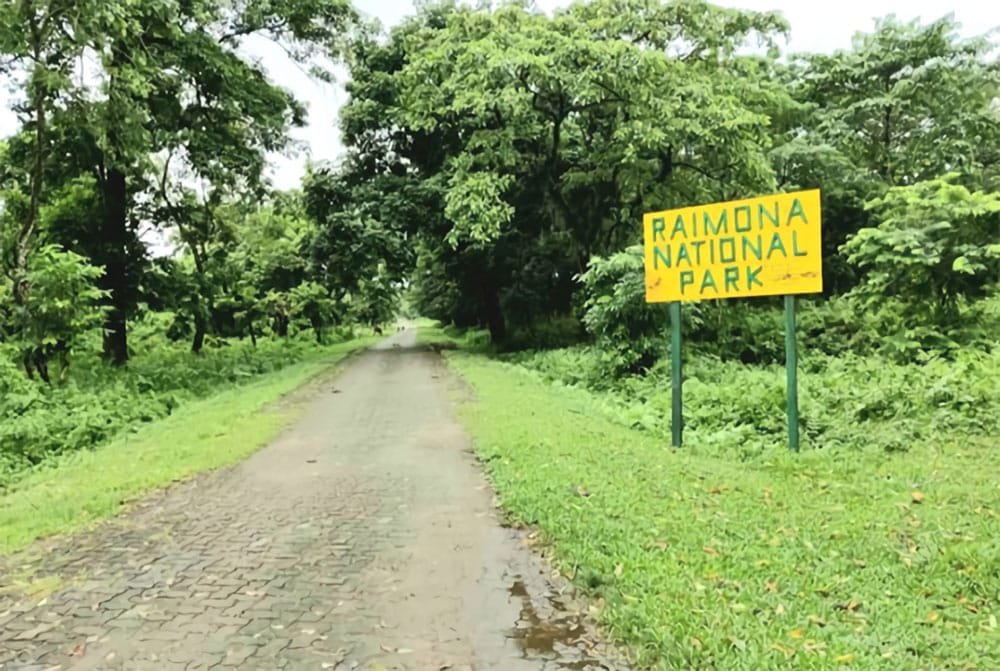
97,402
77,489
851,559
435,334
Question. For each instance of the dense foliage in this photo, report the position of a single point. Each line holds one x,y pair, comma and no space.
536,141
848,402
96,402
133,200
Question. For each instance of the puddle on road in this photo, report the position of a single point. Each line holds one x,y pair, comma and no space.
560,639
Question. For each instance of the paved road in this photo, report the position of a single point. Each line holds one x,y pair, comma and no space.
363,538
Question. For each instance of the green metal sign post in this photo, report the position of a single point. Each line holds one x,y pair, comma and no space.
792,372
676,380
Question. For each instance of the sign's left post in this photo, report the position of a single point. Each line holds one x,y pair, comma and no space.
676,378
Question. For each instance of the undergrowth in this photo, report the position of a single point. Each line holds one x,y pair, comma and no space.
846,402
39,422
79,488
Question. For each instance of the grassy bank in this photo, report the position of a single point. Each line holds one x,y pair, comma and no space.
97,402
863,558
76,489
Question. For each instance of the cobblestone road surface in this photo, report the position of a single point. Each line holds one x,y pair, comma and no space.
363,538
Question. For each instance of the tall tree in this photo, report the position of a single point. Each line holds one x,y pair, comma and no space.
908,102
161,74
36,43
551,134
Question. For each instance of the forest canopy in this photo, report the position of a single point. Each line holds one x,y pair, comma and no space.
498,161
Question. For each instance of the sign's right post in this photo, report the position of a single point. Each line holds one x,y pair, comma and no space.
792,371
676,377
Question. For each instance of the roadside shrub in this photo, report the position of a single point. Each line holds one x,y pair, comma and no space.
38,421
847,402
553,333
630,333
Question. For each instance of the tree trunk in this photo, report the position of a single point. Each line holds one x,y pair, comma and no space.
492,313
281,326
116,281
26,234
29,368
885,168
317,325
34,359
200,329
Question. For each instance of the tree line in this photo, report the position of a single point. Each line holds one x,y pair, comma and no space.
498,163
145,125
535,142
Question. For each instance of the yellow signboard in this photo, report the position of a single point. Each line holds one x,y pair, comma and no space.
755,247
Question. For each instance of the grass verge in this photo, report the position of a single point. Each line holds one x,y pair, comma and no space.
83,487
822,560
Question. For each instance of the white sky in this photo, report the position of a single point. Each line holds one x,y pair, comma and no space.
815,26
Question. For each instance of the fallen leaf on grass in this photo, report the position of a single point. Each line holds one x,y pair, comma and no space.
771,585
933,616
917,496
710,551
786,651
796,633
844,659
619,569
